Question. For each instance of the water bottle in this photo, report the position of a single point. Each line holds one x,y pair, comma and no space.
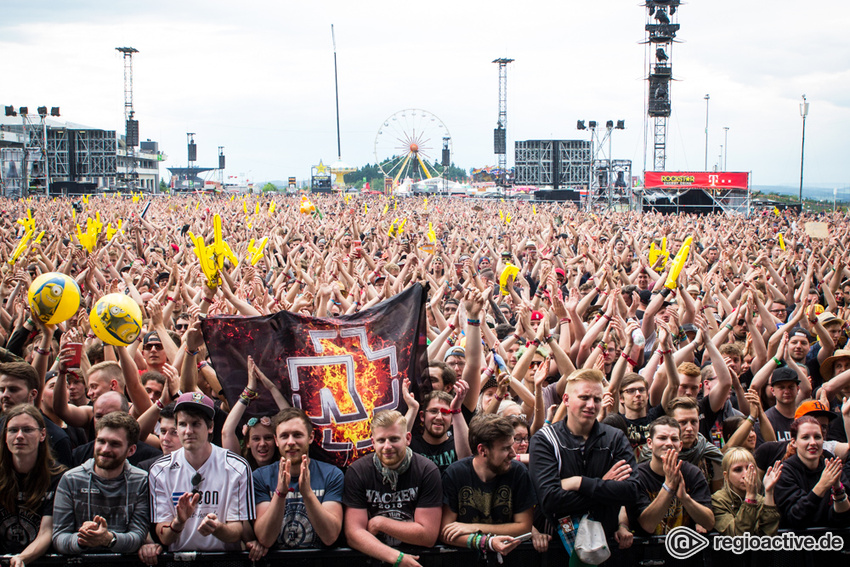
637,335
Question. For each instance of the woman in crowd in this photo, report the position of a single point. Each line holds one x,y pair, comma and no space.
28,479
738,506
810,491
258,443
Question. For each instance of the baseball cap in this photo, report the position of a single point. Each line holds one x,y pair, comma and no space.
536,316
784,374
196,400
560,272
151,337
801,332
689,328
827,368
455,351
814,408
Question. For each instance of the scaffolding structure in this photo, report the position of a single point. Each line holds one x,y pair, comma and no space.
500,134
609,180
131,133
661,29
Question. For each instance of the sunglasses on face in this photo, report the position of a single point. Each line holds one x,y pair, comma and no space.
153,346
181,326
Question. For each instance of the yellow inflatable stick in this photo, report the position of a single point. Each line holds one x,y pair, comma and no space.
510,270
678,263
220,247
21,247
257,209
508,219
392,228
206,258
386,208
781,241
400,228
425,202
256,252
272,206
39,237
432,236
28,223
365,209
110,232
775,211
501,214
245,207
534,209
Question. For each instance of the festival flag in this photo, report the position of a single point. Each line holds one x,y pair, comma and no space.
340,370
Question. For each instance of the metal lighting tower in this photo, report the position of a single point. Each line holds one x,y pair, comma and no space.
131,133
804,111
707,98
661,28
500,136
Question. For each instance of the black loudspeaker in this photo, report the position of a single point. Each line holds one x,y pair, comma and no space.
193,152
447,159
132,133
58,188
221,161
500,141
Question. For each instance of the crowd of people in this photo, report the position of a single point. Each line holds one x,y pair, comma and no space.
571,378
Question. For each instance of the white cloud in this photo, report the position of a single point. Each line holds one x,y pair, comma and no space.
257,76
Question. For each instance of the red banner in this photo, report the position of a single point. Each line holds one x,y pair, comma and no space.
696,180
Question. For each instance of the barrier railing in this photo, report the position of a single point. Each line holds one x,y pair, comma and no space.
645,552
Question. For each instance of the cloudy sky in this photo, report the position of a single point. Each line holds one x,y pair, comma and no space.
257,77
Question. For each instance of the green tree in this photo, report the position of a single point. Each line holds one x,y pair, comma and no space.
163,186
269,188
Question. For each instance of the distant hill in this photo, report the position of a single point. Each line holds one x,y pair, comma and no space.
819,193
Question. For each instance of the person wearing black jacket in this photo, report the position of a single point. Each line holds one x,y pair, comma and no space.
582,466
810,491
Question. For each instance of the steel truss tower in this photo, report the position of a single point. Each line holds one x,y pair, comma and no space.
661,28
500,136
131,134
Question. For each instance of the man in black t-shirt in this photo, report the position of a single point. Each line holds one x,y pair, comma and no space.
392,496
785,383
638,416
488,493
672,492
441,415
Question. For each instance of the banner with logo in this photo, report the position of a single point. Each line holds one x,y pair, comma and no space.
696,180
340,370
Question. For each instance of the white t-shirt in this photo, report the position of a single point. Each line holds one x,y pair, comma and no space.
226,490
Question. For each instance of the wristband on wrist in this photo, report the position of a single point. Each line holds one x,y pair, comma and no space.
398,559
776,361
159,404
473,322
728,326
547,422
750,501
207,299
41,351
192,352
629,360
667,488
563,320
751,419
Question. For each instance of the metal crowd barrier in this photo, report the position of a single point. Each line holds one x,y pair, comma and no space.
645,552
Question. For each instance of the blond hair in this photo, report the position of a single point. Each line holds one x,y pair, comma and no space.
585,375
388,418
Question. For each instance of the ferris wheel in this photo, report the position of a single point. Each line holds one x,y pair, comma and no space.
409,145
